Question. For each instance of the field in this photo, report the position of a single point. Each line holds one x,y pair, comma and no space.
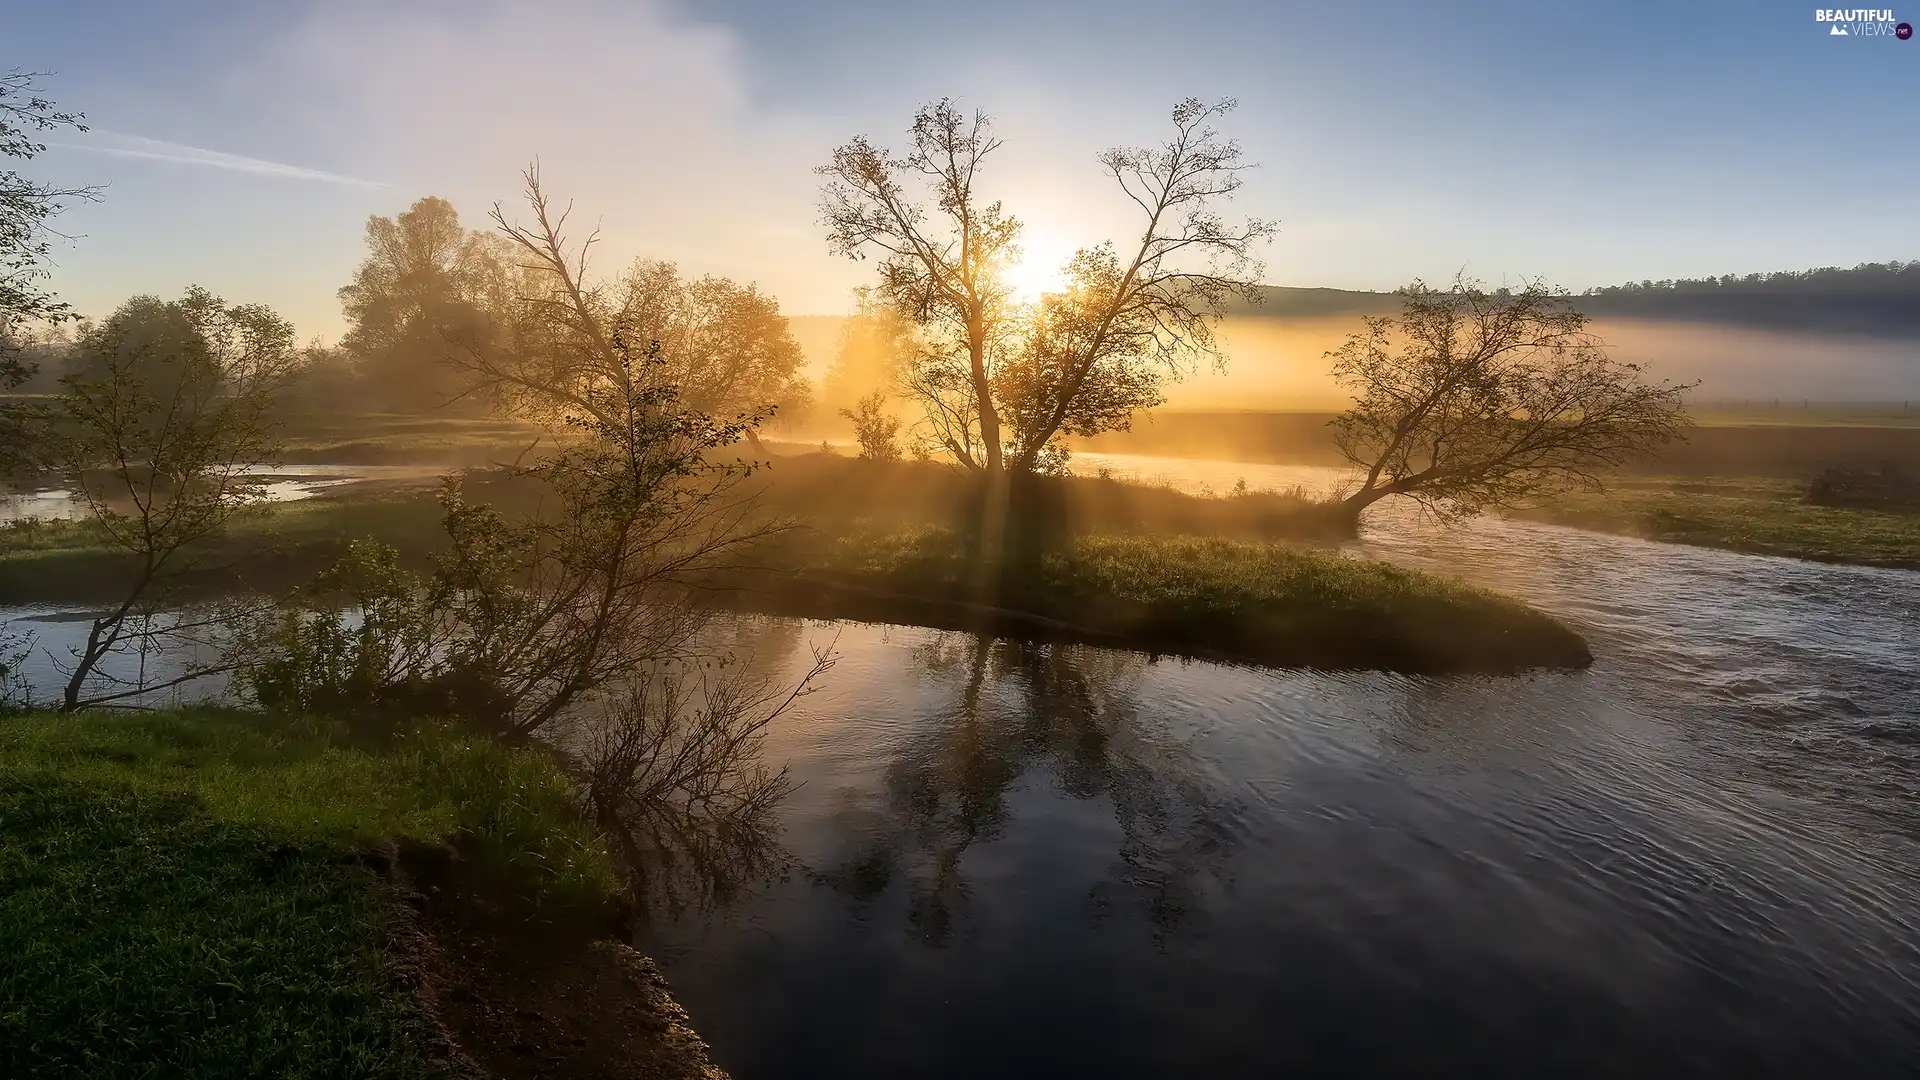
1730,440
1760,515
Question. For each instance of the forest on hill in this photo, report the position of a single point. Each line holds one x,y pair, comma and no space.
1878,299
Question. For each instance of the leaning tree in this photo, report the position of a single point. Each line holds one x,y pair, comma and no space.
1471,399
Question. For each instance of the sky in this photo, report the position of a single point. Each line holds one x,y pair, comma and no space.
243,146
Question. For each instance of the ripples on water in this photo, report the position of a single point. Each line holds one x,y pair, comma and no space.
1694,858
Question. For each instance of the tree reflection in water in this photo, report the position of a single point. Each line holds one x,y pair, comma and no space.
1018,709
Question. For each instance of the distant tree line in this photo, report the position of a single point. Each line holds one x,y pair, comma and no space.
1874,298
1866,279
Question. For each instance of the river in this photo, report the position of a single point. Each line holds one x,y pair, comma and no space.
1696,857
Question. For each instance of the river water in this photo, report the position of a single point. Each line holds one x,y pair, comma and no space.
1696,857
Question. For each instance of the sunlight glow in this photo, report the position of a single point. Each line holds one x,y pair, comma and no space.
1043,259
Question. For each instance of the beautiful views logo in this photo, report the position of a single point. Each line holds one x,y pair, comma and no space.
1862,22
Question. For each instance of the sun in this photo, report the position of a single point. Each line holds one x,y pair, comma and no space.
1042,265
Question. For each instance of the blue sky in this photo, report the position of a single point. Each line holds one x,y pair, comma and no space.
243,145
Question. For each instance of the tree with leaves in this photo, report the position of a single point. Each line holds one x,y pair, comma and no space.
423,283
943,251
1471,399
876,430
560,335
27,207
1001,383
163,424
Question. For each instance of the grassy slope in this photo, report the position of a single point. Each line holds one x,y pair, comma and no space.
1751,514
180,893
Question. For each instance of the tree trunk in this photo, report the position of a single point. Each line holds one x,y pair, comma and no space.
983,393
1353,505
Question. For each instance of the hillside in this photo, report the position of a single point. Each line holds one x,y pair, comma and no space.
1876,299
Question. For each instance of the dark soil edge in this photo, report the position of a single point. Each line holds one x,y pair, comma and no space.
810,598
507,991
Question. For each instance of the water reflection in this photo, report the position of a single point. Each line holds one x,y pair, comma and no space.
1017,712
1023,858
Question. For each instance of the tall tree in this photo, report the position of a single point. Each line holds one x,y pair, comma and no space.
421,286
26,242
1099,351
1001,382
1470,399
943,253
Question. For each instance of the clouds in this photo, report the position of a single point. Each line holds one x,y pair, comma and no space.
135,146
640,116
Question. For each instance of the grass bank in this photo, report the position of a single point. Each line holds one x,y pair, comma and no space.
1211,598
211,893
1110,562
1757,515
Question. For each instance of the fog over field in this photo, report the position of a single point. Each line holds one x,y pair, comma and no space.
1279,363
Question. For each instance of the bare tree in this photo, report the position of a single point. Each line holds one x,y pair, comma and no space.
673,770
943,255
1470,399
163,424
1096,353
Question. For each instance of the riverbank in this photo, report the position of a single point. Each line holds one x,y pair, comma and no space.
1207,598
217,893
1083,559
1753,515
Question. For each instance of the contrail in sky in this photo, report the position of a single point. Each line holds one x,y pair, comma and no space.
136,146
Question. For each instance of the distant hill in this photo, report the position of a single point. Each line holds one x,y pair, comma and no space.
1879,299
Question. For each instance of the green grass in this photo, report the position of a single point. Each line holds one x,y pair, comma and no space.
181,893
1759,515
371,438
1264,602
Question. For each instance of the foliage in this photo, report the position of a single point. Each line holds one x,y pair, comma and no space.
1098,352
524,618
1001,382
179,892
942,267
163,419
876,350
559,350
876,430
1877,278
26,208
425,280
724,345
1471,399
